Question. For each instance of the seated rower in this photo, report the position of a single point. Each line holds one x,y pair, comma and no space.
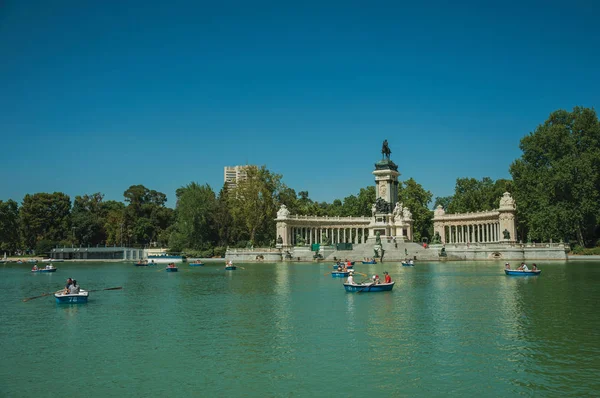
377,280
74,288
534,267
350,278
525,267
506,266
388,278
35,267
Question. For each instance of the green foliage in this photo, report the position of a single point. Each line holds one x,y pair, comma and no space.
45,216
417,199
44,247
254,204
586,251
87,220
145,216
557,179
471,195
9,226
195,221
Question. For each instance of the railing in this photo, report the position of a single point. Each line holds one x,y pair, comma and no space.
254,250
328,218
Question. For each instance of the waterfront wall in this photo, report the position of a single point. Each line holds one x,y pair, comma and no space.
403,250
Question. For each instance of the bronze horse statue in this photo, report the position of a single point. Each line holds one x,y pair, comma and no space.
385,149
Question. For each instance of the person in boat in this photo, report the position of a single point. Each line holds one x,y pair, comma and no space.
525,268
74,288
377,280
534,267
350,278
35,267
339,268
388,278
411,261
506,266
68,285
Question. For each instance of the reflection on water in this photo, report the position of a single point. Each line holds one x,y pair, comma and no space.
283,329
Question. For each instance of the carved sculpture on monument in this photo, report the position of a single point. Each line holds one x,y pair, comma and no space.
398,213
382,206
506,234
283,212
385,150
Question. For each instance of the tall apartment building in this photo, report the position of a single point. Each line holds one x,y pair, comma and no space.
234,174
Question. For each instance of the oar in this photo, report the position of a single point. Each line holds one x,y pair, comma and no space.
35,297
108,288
369,285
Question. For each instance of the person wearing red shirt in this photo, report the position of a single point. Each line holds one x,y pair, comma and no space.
388,278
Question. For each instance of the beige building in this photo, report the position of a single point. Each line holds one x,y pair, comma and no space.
234,174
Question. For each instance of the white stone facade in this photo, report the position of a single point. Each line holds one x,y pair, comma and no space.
495,226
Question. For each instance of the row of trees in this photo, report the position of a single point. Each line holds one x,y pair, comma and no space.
556,184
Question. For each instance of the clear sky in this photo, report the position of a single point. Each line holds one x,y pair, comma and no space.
96,96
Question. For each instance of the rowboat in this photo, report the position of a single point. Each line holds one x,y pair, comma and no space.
407,265
171,269
335,266
338,274
196,264
71,298
368,287
141,264
230,268
44,270
516,272
32,261
370,262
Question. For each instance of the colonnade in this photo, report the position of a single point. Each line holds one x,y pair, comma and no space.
486,232
312,235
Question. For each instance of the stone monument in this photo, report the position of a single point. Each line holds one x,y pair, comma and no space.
390,219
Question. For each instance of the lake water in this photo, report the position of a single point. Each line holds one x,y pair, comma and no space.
447,329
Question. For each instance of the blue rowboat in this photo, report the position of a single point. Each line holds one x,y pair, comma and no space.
516,272
141,264
230,268
369,287
337,274
75,298
407,265
347,266
370,262
196,264
44,270
171,269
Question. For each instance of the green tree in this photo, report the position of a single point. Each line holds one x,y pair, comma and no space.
443,201
366,198
87,219
113,217
417,199
195,221
45,216
254,203
9,226
557,179
471,195
146,216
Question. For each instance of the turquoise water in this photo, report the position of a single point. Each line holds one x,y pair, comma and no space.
447,329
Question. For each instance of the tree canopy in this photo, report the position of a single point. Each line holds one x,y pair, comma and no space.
557,179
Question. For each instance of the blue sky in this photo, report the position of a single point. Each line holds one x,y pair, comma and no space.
98,96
